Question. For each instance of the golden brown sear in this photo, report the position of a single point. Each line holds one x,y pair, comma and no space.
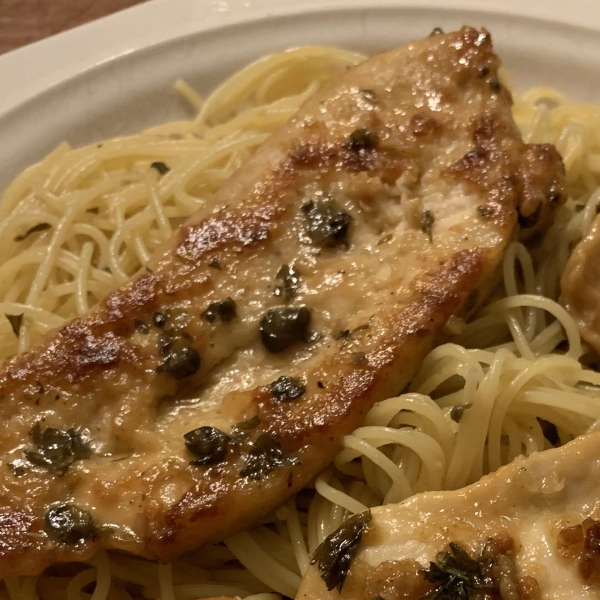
222,379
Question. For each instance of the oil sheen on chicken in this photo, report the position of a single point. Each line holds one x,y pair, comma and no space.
222,379
530,531
580,286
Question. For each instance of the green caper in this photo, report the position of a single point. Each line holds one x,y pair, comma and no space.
68,524
56,450
326,224
180,363
208,444
284,326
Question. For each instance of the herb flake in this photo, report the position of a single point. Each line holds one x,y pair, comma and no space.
290,282
248,424
35,229
361,139
160,166
225,310
427,221
456,573
287,388
15,322
368,94
486,210
242,430
550,431
265,456
457,412
335,555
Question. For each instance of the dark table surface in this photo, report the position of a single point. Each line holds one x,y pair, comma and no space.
26,21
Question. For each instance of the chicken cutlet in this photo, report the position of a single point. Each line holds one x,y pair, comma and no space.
527,532
222,379
580,286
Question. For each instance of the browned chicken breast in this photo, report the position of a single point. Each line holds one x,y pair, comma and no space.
200,396
530,531
580,286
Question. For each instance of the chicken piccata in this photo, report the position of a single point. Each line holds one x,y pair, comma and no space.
222,378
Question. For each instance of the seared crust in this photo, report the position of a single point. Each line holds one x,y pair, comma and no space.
418,152
301,428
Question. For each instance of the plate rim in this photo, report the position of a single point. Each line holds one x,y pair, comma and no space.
30,70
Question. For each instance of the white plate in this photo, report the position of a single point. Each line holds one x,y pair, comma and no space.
114,76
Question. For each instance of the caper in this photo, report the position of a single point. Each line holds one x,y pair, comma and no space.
181,362
326,223
68,524
287,388
56,450
209,444
224,309
283,326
